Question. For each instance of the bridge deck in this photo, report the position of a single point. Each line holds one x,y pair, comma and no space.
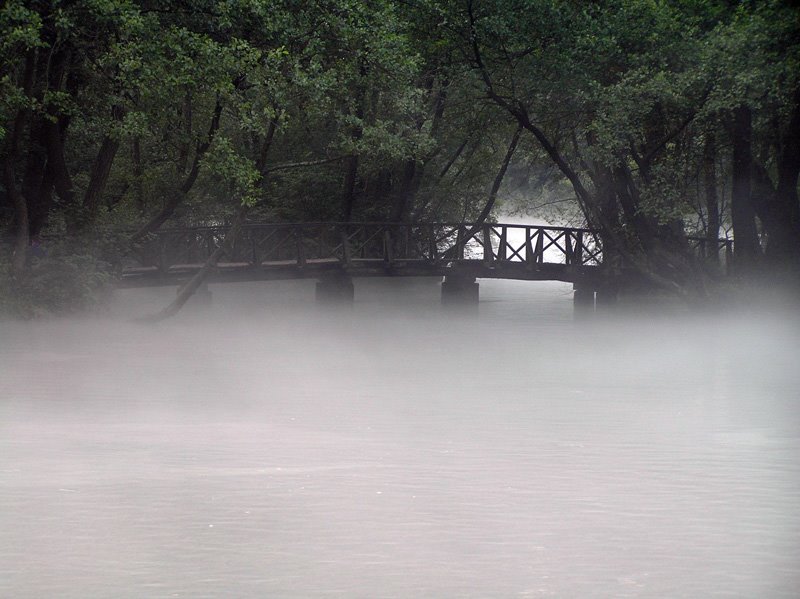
152,276
312,250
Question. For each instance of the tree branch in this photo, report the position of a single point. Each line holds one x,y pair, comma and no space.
176,199
185,292
304,163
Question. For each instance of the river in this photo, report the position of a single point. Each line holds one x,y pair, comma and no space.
260,447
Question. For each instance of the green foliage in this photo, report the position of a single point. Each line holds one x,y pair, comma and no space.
62,283
200,99
20,25
239,173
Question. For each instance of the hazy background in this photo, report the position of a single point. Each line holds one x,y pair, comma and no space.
261,447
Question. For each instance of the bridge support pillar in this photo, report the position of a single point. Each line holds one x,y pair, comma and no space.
460,291
335,290
583,299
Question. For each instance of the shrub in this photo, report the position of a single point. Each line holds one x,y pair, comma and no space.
57,283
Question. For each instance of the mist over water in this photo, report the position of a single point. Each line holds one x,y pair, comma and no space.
262,447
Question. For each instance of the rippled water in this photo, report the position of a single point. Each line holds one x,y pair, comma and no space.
261,448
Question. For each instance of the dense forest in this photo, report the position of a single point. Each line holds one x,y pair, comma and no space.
649,120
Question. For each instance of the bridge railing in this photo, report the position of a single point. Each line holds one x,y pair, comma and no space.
435,243
531,244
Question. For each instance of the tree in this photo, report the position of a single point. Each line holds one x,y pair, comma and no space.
660,119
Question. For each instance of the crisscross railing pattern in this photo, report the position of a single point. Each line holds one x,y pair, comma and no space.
439,245
301,243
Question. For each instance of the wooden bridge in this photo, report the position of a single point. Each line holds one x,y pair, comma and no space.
335,252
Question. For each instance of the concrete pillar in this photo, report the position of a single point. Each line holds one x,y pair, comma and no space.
336,290
583,300
460,291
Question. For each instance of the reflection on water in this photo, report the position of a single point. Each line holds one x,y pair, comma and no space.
261,448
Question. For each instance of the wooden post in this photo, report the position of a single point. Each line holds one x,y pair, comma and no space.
539,256
300,247
362,250
530,258
387,246
460,243
488,252
501,248
569,258
579,248
432,249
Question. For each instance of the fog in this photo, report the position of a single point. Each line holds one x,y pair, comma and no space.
264,447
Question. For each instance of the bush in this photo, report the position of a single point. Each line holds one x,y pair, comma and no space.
55,284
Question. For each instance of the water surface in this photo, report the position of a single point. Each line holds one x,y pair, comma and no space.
262,448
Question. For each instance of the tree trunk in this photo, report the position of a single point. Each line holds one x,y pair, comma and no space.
138,173
35,175
351,163
21,224
21,221
408,188
712,203
590,203
784,244
742,213
175,200
498,181
54,126
101,169
185,292
40,206
413,170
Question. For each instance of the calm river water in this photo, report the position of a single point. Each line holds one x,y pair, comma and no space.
262,448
